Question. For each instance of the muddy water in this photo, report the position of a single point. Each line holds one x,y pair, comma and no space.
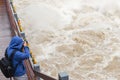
80,37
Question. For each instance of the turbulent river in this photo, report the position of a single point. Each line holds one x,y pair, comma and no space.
80,37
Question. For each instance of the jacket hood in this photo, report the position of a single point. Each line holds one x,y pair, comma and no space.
16,43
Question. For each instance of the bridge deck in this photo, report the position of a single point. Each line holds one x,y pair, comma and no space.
5,32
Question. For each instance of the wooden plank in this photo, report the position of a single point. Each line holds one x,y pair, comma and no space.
5,32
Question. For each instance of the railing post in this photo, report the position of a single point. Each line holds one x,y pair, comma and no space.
37,68
11,1
63,76
16,16
22,35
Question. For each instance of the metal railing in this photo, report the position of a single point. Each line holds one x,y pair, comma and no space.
33,69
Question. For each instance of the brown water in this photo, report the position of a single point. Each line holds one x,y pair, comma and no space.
80,37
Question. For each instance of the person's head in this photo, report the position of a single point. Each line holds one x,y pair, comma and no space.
16,43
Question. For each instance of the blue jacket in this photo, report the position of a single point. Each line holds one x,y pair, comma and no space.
17,44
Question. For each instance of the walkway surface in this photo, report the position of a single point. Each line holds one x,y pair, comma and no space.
5,32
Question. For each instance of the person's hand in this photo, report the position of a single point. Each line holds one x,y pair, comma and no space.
25,43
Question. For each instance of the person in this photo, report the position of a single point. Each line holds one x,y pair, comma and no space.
22,53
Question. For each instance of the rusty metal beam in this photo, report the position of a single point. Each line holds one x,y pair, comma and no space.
43,76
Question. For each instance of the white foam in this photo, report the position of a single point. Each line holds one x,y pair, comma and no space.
45,22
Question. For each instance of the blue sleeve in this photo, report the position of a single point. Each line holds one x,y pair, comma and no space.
23,55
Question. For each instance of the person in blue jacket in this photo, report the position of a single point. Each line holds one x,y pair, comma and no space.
22,53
